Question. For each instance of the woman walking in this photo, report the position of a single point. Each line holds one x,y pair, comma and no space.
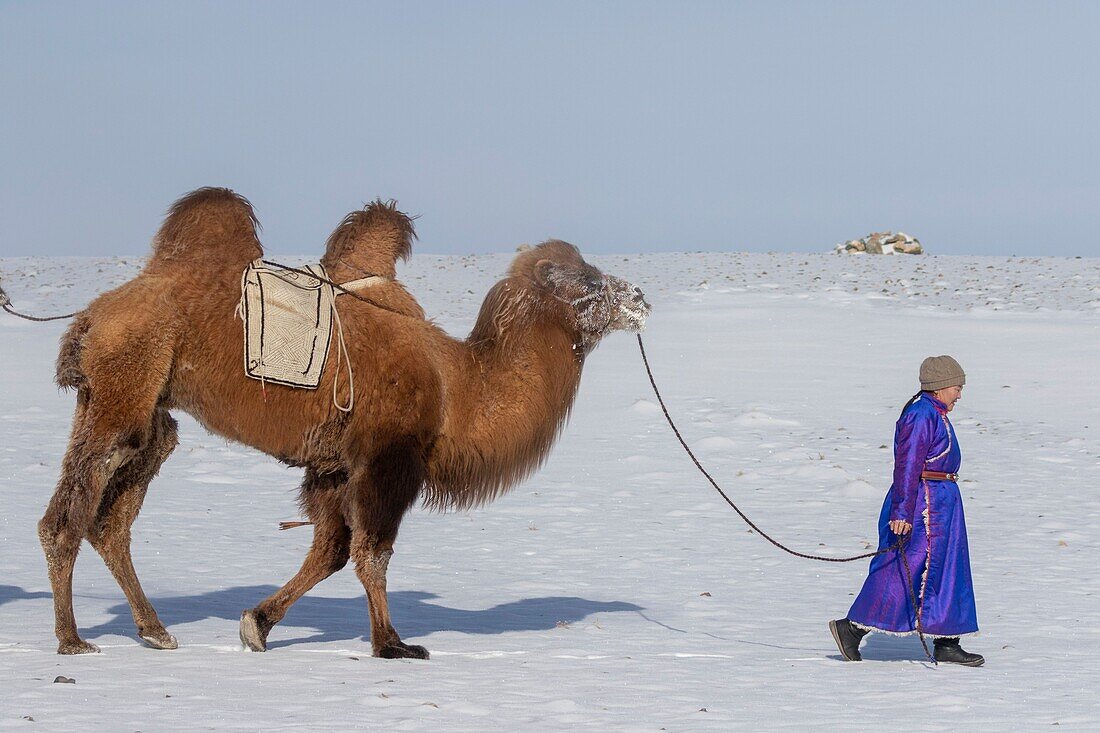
924,507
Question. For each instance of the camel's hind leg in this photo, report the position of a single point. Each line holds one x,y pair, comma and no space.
120,370
97,448
321,498
110,532
377,500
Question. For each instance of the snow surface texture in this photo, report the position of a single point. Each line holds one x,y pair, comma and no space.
614,590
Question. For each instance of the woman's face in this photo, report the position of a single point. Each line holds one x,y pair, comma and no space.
949,396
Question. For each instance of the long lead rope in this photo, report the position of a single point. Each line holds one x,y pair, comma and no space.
5,303
7,307
899,547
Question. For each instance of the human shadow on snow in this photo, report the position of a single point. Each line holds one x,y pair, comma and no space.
344,619
890,648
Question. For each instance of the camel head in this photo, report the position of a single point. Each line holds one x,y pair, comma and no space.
591,303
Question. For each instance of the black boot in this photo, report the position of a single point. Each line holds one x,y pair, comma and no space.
847,636
948,650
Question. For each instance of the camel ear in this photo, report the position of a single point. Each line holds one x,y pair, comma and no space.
542,273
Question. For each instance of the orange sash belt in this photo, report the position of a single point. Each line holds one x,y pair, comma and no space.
939,476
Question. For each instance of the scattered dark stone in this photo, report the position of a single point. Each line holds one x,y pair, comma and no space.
705,593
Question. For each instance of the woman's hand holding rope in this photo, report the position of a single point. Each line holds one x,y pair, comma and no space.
900,527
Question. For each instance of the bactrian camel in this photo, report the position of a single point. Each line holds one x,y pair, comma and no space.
452,422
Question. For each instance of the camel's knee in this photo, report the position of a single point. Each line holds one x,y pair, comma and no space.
371,563
59,545
62,525
47,534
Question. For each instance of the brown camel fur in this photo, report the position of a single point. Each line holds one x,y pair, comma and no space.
453,422
369,242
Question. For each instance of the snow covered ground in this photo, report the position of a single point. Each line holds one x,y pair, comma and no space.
614,590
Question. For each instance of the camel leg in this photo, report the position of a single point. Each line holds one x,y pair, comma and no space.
60,531
321,497
371,564
110,532
378,499
97,448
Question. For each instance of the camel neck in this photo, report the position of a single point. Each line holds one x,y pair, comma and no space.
504,408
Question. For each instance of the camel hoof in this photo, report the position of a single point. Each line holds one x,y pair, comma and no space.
77,647
163,640
251,635
401,650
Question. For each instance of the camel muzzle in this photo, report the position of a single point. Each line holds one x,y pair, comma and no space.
631,310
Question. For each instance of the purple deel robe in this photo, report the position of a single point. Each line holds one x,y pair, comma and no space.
939,559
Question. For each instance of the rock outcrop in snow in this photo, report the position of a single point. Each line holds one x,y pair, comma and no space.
882,243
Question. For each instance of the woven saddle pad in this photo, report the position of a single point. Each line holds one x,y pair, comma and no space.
287,324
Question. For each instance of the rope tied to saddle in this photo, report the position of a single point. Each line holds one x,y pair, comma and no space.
898,547
296,311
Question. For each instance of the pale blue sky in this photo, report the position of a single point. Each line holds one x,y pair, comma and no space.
620,126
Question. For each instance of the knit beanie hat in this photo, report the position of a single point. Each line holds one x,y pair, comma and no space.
938,372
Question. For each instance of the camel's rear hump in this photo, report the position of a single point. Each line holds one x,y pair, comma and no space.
209,227
369,242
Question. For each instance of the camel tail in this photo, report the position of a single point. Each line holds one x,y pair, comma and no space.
370,241
69,375
208,227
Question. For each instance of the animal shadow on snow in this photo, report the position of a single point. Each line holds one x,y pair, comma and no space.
343,619
9,593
